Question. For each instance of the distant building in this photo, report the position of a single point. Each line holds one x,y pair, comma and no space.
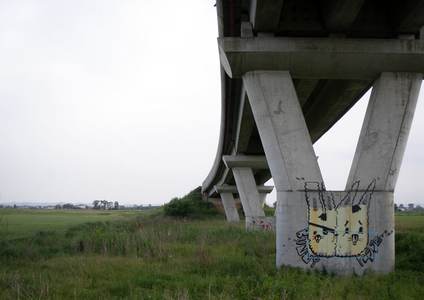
411,206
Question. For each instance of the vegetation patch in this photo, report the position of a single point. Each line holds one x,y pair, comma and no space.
190,206
161,257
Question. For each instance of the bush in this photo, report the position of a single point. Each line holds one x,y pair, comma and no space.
409,251
191,205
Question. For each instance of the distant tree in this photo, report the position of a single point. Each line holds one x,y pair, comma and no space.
96,204
116,205
419,208
103,204
68,206
109,205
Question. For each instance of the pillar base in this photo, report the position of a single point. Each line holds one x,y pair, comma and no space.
342,232
260,223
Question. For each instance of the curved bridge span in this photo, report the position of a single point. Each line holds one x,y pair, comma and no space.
290,69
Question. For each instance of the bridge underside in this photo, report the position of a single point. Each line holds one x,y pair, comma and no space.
290,69
324,97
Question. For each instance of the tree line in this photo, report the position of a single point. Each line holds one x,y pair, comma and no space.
106,205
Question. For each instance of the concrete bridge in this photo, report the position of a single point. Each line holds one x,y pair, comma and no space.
290,69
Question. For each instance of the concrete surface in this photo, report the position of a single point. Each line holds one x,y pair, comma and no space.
318,58
230,207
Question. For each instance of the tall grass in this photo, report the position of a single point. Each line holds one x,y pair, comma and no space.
166,258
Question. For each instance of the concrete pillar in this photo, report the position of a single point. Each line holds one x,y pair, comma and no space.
282,128
385,130
340,231
230,207
249,195
251,200
262,198
253,216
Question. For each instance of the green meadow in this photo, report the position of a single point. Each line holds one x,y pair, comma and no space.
19,223
135,255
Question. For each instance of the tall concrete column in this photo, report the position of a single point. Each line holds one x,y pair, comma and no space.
380,150
288,149
282,128
230,207
385,130
340,231
249,195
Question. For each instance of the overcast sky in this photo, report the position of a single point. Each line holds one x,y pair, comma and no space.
120,100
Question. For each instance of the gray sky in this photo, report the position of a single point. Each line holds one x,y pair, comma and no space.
120,100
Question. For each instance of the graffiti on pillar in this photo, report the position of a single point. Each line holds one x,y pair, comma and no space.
368,254
262,223
337,227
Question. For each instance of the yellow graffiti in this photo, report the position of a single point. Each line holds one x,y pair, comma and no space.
342,233
338,229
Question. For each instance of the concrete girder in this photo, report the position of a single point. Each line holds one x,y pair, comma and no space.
226,190
409,16
245,161
331,100
265,15
321,58
262,189
339,15
245,125
305,88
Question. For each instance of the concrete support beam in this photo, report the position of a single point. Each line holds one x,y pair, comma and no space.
262,199
333,100
249,195
265,15
385,130
227,191
245,125
230,207
262,189
321,58
281,125
339,15
305,88
249,161
409,17
246,30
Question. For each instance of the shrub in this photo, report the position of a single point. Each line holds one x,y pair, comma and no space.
191,205
409,251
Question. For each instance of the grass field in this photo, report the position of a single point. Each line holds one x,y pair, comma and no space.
19,223
408,223
155,257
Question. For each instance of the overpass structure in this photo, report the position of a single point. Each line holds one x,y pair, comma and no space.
290,69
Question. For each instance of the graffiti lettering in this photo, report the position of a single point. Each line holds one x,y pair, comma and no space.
337,228
262,223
